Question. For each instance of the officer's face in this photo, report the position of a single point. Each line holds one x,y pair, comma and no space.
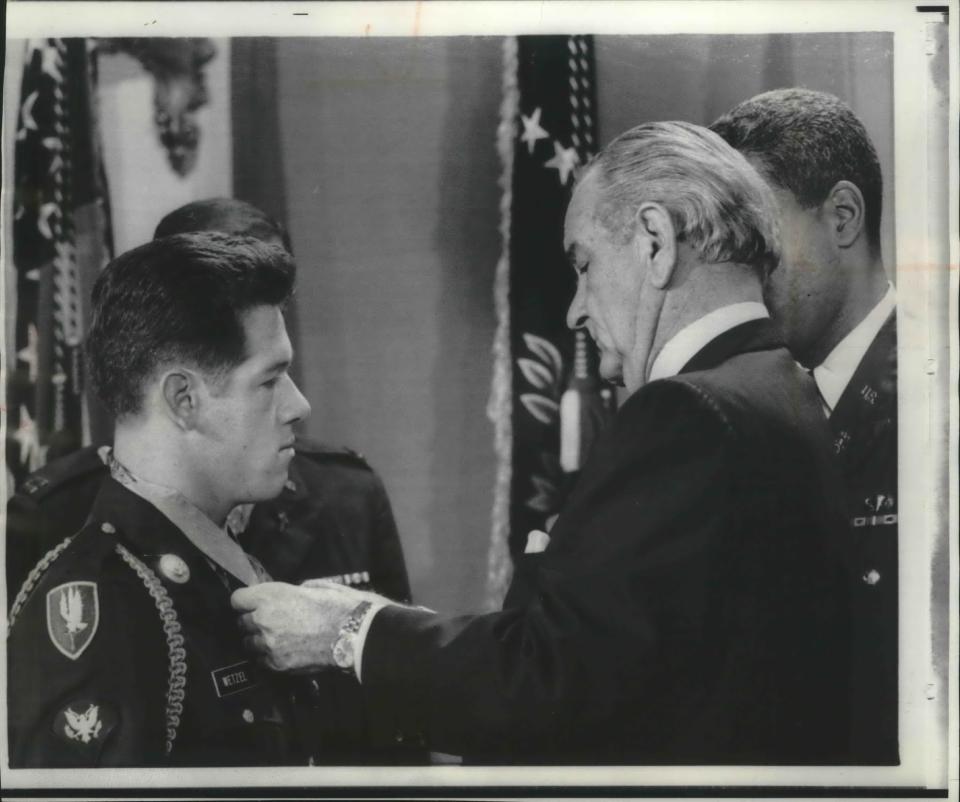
609,278
805,291
248,415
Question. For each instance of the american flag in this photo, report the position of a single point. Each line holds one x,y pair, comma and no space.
547,131
60,240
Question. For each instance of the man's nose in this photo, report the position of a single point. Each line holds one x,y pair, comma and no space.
577,313
297,406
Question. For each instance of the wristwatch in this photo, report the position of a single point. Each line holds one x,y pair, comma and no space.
343,647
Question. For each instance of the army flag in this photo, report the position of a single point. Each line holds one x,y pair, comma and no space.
60,241
547,404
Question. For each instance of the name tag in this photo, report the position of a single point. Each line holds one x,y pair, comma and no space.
233,679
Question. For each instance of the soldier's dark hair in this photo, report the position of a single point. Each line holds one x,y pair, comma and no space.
178,299
228,215
806,142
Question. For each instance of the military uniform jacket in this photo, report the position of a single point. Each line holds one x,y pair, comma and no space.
124,651
333,519
864,425
688,609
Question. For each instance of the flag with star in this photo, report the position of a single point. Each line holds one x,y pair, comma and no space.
61,240
547,131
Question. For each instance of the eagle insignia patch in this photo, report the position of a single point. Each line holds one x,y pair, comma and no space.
73,614
84,723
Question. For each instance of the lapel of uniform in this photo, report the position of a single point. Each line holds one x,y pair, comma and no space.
153,538
868,407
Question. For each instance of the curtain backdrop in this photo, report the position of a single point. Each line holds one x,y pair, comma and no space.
257,155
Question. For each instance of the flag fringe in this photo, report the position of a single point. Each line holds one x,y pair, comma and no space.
500,404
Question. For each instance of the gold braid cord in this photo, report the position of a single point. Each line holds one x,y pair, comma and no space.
177,674
33,578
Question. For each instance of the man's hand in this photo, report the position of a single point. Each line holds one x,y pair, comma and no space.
294,628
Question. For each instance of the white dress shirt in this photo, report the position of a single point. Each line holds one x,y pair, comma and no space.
834,373
685,344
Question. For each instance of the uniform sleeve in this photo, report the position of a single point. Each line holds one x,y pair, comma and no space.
593,648
26,538
88,670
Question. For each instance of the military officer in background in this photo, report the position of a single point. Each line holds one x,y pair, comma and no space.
837,310
122,646
332,520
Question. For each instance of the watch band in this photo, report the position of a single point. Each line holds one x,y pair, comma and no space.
343,647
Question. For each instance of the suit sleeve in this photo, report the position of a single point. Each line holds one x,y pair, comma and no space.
103,706
617,605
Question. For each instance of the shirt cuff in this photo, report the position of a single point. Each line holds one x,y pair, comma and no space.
361,637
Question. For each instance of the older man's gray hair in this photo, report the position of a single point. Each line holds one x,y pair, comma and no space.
718,203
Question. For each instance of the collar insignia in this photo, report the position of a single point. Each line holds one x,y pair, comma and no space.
73,615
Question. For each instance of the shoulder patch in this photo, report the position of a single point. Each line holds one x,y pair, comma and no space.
85,723
73,615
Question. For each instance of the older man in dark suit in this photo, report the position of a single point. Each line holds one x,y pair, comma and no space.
688,607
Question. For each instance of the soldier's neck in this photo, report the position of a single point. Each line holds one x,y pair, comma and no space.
157,458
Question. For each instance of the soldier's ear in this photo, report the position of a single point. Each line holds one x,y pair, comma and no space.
180,397
657,243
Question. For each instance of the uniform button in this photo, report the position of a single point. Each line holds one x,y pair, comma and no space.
248,716
108,528
871,577
398,737
174,568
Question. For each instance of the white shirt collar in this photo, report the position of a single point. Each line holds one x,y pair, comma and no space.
682,347
834,373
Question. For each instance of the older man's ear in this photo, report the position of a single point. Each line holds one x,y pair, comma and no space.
655,249
656,243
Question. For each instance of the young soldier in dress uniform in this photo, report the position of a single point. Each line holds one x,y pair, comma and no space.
332,520
123,649
837,310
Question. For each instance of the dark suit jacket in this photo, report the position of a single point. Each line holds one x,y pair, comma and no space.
155,672
864,425
689,607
